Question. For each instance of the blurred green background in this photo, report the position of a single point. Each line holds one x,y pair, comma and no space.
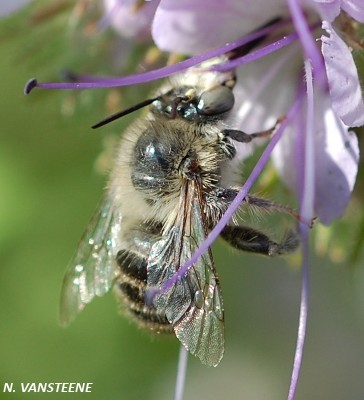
49,158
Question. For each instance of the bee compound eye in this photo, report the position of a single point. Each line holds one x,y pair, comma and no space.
215,101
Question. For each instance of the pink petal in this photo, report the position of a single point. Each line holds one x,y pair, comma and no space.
344,86
265,90
328,9
337,158
190,26
257,105
284,158
129,22
355,8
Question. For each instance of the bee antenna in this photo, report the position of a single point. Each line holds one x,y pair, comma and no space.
122,113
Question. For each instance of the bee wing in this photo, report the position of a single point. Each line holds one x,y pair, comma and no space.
194,304
92,271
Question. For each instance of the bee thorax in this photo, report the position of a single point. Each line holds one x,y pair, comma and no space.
165,157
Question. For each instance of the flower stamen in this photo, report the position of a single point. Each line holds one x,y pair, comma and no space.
307,203
307,41
94,82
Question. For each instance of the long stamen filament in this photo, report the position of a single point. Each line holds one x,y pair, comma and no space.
304,32
181,373
307,202
92,82
256,55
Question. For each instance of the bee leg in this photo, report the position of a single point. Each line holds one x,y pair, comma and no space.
228,195
242,137
271,206
248,239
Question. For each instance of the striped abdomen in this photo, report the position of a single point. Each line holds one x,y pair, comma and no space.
131,288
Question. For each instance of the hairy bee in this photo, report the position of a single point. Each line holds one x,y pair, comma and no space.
166,192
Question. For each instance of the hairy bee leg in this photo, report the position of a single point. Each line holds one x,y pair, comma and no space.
270,205
249,239
228,195
243,137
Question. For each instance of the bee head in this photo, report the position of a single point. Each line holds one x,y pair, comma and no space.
194,104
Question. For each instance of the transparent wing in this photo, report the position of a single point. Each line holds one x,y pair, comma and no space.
194,304
92,270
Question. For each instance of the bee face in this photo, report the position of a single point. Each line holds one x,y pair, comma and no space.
166,193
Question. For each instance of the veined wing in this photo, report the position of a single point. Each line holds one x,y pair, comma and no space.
194,304
92,270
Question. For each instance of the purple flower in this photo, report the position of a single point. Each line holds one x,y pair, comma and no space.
318,155
302,69
130,18
267,87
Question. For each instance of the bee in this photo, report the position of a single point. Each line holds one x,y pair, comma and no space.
167,190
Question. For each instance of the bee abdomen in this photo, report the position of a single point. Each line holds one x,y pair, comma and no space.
131,290
132,265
